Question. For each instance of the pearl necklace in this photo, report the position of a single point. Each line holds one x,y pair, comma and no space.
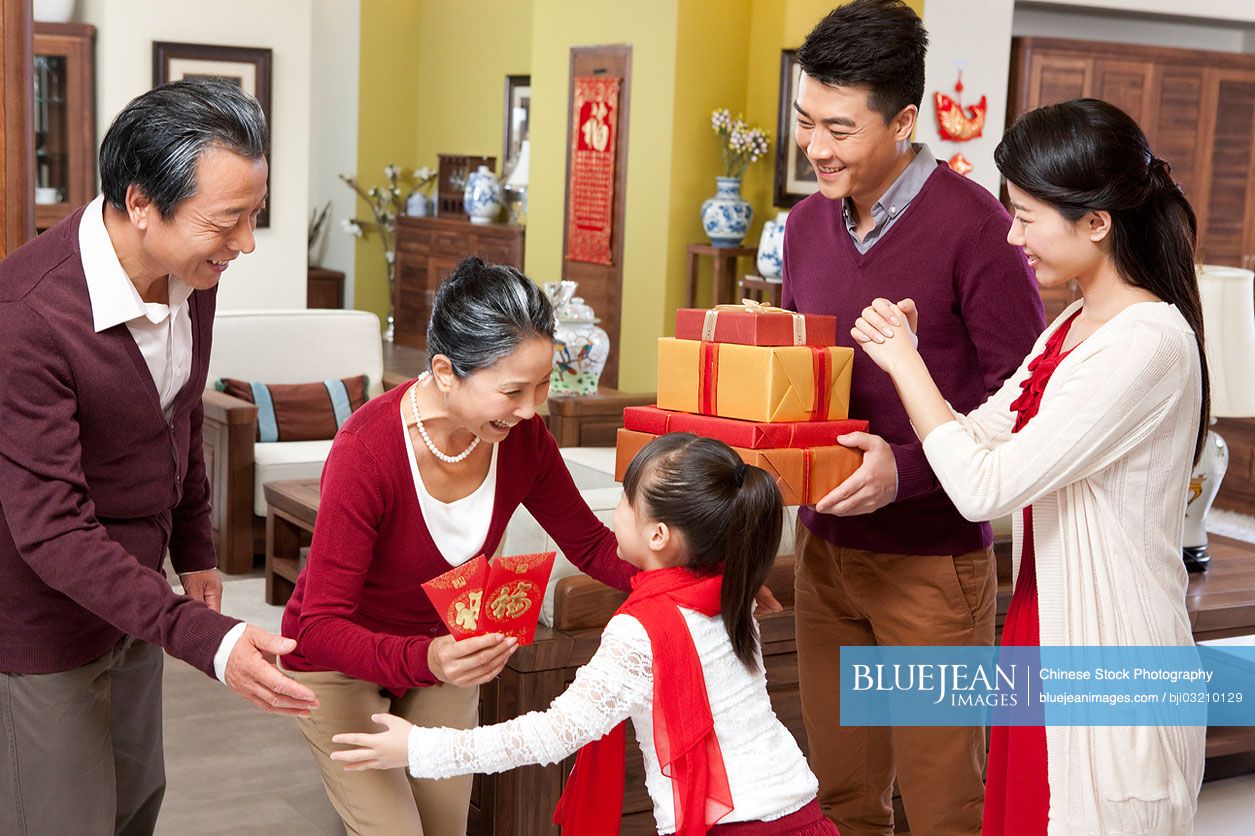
422,431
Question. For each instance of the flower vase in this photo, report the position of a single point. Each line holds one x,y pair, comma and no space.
390,330
482,198
771,248
726,216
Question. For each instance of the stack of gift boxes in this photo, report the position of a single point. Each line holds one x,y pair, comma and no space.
770,383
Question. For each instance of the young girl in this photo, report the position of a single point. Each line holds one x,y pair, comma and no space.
680,659
1091,444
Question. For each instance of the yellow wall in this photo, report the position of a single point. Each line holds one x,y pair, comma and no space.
425,92
463,53
650,26
713,38
387,122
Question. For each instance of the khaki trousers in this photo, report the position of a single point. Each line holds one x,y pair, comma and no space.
387,802
858,598
80,750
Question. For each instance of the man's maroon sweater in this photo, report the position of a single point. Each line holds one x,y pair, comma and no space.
979,315
95,483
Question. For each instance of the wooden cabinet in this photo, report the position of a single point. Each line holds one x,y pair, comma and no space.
428,250
65,120
324,288
17,215
1197,109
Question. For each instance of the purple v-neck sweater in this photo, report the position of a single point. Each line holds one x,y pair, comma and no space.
980,313
95,483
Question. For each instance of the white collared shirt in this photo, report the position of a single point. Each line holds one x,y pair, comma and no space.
163,333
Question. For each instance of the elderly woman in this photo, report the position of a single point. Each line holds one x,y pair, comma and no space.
418,481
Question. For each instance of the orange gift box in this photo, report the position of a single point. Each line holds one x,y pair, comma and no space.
478,598
755,383
805,475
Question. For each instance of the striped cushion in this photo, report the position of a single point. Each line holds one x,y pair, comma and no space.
299,411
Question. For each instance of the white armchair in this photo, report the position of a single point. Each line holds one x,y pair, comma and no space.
276,346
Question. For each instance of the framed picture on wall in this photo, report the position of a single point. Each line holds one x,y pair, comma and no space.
248,67
518,110
795,179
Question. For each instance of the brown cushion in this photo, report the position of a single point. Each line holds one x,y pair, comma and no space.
299,411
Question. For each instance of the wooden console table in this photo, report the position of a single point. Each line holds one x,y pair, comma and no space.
324,288
723,279
592,420
428,249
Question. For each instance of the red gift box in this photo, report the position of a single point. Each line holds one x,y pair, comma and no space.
478,598
751,323
753,435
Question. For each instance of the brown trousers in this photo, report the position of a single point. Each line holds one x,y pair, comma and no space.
387,802
857,598
80,750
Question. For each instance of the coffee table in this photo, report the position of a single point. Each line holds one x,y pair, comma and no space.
291,507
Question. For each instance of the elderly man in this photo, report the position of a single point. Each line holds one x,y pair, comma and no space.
105,327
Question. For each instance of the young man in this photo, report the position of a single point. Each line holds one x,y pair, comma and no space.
105,325
885,558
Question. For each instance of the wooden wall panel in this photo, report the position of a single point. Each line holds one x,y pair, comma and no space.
17,161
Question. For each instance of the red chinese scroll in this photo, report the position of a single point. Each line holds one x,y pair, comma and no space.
594,130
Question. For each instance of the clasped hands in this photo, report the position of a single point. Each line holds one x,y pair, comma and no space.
887,332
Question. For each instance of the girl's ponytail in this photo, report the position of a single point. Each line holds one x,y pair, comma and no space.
753,536
730,514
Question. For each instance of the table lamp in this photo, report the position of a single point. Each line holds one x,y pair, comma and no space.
1228,295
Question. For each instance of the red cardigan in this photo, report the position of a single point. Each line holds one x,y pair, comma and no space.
359,607
95,483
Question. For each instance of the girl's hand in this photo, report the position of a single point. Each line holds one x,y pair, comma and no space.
765,602
385,750
887,332
471,661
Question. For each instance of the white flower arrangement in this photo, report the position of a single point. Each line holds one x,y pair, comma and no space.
740,143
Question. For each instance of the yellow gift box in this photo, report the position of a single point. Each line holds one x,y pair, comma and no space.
755,383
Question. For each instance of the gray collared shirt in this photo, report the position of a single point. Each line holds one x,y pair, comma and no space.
891,205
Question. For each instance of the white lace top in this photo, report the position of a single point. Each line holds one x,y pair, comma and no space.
767,774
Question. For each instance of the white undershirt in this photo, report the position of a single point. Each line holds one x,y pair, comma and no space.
458,528
163,334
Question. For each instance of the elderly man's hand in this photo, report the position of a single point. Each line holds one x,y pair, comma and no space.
252,674
205,587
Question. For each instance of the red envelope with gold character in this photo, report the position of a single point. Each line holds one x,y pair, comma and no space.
458,597
514,592
504,597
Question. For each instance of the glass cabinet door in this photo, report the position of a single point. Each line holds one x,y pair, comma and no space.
52,142
64,120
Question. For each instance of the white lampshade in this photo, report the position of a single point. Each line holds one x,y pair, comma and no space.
1229,324
518,177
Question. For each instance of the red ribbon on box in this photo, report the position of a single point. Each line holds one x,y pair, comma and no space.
708,380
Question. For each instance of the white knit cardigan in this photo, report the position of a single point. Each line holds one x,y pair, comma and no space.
1105,464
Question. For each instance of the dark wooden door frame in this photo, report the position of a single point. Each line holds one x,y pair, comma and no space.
17,158
599,282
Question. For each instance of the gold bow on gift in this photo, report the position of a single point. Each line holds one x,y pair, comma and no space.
750,306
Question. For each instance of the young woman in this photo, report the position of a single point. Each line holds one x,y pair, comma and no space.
1090,444
680,659
419,480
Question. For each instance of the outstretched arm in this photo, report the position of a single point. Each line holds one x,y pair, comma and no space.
616,682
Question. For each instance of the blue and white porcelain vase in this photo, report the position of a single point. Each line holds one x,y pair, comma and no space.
482,199
771,248
726,216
